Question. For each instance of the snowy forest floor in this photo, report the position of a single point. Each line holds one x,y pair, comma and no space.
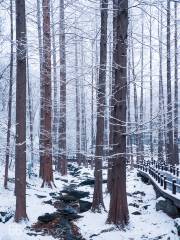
145,221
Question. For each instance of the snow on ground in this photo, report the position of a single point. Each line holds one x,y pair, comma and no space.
149,225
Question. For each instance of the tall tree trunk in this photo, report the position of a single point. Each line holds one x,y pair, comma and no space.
176,99
62,162
129,125
170,144
151,86
136,118
109,183
83,111
92,108
47,104
98,193
55,99
41,148
20,158
78,143
160,119
141,135
30,111
118,211
9,101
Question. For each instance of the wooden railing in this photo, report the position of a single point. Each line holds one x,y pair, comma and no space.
166,176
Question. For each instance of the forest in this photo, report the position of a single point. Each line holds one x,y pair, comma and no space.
89,119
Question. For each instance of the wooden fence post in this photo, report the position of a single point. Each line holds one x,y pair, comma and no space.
174,186
165,183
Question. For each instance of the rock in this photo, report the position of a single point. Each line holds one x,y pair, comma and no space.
77,194
47,217
136,213
5,216
129,194
89,182
59,204
53,194
134,205
168,207
62,179
68,199
74,171
146,207
56,196
177,225
40,196
69,213
84,206
139,193
70,187
48,202
85,173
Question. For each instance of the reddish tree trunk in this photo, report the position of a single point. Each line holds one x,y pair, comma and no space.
47,105
20,158
118,212
98,193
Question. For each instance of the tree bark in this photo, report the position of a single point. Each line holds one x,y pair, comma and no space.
9,101
47,101
109,183
30,111
62,162
92,109
160,119
20,158
170,145
118,211
41,148
78,132
141,117
98,193
151,86
83,112
176,99
55,87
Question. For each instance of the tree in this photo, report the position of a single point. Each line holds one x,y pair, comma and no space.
47,101
141,117
160,119
62,162
83,111
170,147
151,86
30,113
78,147
20,158
118,211
176,118
55,99
98,203
40,47
9,100
92,108
112,98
